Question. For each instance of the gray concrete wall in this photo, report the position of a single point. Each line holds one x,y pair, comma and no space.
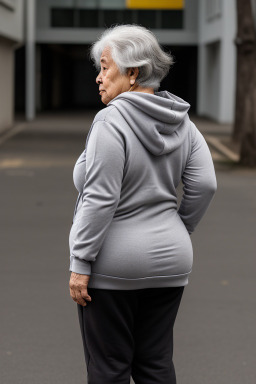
217,59
12,20
11,35
228,63
6,81
210,24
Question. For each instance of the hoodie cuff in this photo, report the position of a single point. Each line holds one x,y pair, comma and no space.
82,267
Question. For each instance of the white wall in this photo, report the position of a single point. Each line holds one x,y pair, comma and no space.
217,59
12,20
6,81
11,34
228,63
210,24
213,70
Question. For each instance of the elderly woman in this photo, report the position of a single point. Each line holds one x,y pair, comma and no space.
130,246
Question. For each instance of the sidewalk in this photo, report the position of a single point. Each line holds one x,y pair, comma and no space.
218,136
40,336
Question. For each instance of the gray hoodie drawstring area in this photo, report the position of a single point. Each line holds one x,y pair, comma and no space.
128,231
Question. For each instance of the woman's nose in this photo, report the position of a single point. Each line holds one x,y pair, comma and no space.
98,79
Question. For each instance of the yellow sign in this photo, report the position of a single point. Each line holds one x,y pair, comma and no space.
155,4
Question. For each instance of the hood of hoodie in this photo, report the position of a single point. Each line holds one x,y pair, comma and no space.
159,120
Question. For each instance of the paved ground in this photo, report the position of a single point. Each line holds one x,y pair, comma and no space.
40,342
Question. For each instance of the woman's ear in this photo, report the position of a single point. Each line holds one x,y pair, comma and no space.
133,74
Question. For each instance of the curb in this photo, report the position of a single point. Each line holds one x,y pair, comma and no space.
212,140
216,143
11,132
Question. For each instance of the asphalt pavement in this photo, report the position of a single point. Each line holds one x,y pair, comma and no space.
215,333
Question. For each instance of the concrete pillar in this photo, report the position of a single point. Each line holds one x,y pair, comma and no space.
6,81
201,78
217,62
228,63
201,66
209,80
38,79
30,59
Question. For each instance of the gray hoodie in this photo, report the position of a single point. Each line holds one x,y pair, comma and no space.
128,231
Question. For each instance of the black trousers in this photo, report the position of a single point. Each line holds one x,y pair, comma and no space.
130,333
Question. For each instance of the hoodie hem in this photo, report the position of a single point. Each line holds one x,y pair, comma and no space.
110,282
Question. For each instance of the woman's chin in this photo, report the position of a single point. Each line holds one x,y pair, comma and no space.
104,98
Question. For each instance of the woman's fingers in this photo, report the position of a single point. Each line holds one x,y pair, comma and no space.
78,288
79,299
85,295
76,296
72,294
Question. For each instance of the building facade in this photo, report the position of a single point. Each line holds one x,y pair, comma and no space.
216,59
11,37
199,33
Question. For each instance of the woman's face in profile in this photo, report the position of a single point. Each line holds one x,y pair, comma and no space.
111,81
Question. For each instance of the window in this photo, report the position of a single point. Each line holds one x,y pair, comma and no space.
147,18
112,17
101,18
62,17
172,19
88,18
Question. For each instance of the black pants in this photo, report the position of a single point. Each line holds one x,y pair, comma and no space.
130,333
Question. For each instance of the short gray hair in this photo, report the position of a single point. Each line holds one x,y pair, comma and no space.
134,46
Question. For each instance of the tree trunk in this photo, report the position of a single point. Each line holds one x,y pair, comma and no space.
245,115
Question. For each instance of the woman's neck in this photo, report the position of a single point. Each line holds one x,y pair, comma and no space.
138,88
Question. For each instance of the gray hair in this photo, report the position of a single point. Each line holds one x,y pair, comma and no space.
134,46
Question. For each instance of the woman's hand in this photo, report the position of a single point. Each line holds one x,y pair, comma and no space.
78,288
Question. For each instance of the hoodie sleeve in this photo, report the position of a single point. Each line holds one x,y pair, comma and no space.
105,158
199,182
